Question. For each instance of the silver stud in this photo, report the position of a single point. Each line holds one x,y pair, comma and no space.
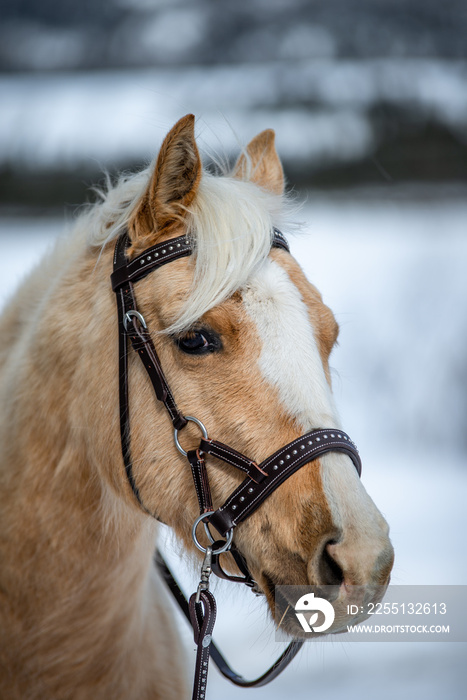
275,467
178,245
294,452
234,507
318,439
325,437
310,442
164,252
142,262
205,663
287,456
250,490
171,247
339,435
242,498
302,447
345,437
281,462
156,255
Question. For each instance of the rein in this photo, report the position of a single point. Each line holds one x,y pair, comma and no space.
260,479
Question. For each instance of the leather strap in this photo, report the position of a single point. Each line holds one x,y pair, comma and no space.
203,492
142,342
279,240
201,480
217,569
231,456
144,347
203,617
278,467
132,270
278,666
124,400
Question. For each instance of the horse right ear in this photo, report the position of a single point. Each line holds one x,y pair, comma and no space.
172,187
261,164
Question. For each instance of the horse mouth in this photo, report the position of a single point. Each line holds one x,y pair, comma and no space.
282,609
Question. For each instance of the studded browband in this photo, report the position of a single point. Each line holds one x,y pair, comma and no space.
133,270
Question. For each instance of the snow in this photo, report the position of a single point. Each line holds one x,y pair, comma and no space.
393,273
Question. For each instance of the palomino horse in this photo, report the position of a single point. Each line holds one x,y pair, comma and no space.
244,341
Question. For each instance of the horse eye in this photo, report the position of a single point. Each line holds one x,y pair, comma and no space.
199,342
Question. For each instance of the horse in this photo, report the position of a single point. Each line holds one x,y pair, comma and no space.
244,341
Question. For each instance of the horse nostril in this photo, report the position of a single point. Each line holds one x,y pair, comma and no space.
330,573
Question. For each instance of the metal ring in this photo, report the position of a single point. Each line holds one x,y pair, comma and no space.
200,426
211,538
208,533
224,547
136,314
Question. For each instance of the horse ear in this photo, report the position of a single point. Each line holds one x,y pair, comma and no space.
172,187
261,164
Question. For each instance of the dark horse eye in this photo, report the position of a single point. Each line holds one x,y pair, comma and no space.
199,342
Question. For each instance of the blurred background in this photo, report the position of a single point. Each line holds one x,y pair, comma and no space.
369,102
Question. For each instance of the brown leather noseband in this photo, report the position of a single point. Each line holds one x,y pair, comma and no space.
260,479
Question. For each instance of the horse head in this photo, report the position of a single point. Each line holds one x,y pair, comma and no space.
244,340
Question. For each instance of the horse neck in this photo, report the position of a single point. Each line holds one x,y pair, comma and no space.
73,538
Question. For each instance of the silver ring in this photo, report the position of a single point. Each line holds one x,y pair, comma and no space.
224,547
200,426
136,314
209,533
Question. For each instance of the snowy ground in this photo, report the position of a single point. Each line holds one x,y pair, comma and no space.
394,275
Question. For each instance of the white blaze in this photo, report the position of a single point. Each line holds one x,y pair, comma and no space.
289,359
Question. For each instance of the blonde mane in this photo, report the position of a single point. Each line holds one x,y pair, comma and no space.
230,221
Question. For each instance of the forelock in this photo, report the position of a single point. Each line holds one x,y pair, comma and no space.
231,223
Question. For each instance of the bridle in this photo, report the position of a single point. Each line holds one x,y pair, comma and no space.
260,479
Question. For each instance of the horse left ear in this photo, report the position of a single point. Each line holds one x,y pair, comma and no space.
172,188
261,164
